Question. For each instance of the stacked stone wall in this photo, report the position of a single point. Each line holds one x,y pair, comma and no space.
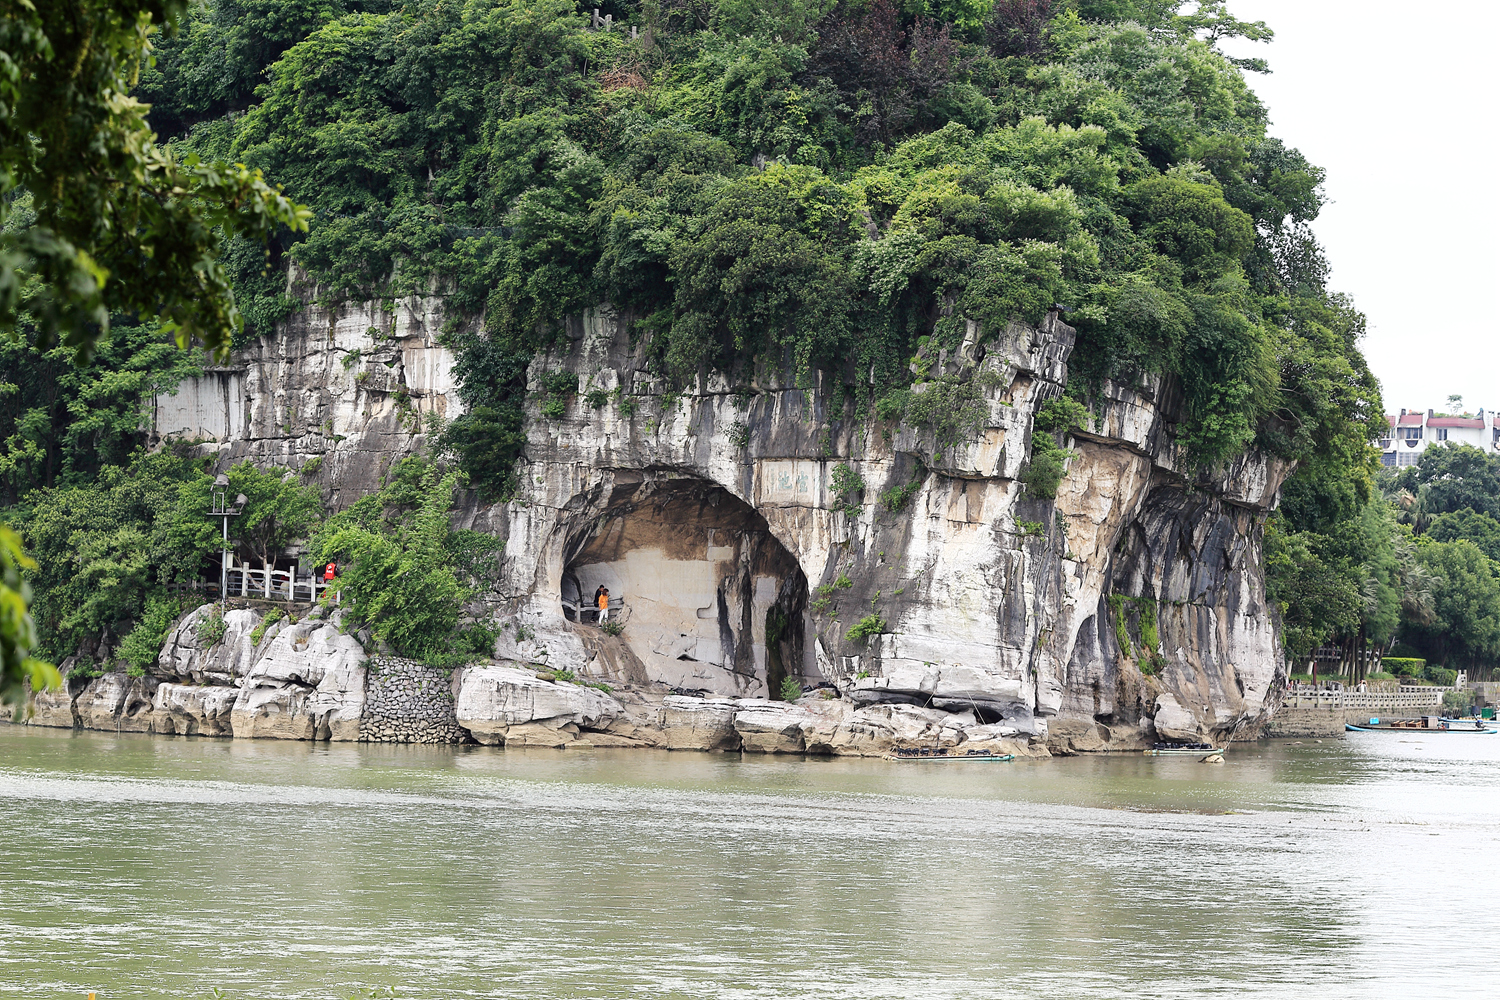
408,702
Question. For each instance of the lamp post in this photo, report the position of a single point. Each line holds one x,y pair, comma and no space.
224,511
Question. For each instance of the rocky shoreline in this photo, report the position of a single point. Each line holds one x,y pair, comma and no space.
308,679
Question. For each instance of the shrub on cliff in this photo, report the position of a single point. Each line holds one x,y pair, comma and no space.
406,574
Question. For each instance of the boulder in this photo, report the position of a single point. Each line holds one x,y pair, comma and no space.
191,709
771,727
309,684
1075,736
51,708
689,723
184,658
115,702
910,725
492,699
538,734
851,733
1173,722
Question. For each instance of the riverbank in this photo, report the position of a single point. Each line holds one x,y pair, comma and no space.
390,700
250,674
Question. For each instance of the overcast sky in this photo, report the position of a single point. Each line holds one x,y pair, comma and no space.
1397,101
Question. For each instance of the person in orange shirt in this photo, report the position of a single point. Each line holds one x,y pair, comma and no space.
603,593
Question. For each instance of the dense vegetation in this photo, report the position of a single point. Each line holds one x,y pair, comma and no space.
801,184
1408,563
812,185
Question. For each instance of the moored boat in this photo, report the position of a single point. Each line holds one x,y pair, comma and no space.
1423,726
922,753
1183,749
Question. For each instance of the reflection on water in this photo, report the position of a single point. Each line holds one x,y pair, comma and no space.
148,866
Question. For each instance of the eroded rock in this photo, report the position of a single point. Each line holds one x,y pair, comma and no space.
698,724
308,684
191,709
494,699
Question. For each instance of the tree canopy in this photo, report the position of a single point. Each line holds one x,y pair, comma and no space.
817,185
96,218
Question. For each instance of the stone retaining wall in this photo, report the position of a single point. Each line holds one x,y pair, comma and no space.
1323,713
408,702
1307,716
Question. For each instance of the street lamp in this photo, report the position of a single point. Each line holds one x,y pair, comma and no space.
224,511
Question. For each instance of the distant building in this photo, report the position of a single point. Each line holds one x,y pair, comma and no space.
1412,432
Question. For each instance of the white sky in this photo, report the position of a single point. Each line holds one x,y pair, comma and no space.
1397,101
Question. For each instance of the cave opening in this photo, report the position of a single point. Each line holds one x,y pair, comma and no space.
703,593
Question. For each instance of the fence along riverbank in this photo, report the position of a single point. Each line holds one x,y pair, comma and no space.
1309,711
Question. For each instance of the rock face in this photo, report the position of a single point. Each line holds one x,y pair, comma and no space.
494,700
1131,607
339,394
303,680
309,683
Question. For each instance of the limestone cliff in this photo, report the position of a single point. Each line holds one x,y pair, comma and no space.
1132,605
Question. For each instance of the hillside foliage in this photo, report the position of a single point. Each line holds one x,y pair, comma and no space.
809,184
805,184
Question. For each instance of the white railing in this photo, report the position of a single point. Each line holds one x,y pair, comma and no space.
271,584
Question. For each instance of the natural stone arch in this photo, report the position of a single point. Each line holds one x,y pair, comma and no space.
711,600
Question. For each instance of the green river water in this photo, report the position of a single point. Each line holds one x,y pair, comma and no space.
140,866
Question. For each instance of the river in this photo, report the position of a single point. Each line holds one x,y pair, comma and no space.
140,866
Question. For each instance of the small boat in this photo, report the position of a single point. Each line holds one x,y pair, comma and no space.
1417,726
1183,749
922,753
1466,725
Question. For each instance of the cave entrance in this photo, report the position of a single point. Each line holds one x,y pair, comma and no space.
709,599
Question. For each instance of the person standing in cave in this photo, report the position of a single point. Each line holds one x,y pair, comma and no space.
601,601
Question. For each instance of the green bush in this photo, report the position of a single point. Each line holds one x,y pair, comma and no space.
1441,676
791,690
1117,618
211,628
258,632
1045,472
1063,415
847,486
1403,665
408,573
896,498
559,383
864,628
142,646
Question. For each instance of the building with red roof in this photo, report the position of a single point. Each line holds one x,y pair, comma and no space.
1412,432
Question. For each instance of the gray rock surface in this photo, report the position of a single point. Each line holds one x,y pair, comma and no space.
711,513
492,700
698,724
191,709
308,683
